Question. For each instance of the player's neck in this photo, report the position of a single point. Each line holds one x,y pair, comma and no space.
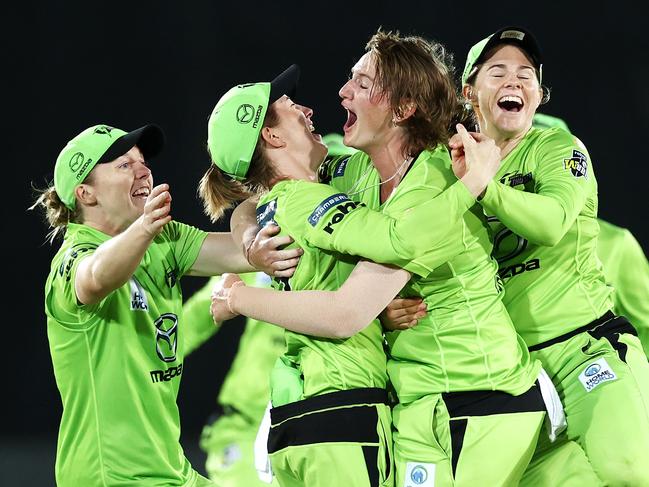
291,167
506,141
100,221
388,158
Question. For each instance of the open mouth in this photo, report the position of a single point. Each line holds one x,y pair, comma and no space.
141,193
511,103
314,134
351,120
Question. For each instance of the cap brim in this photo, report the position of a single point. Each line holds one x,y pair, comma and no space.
149,139
285,83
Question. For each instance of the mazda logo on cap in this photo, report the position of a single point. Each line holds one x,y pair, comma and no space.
75,161
245,113
166,336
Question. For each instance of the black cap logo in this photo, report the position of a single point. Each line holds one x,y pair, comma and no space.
104,130
245,113
75,161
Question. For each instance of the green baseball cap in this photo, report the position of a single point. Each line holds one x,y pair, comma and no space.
236,121
96,145
544,121
517,36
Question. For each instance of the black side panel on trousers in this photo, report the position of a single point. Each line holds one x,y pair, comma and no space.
562,338
371,453
366,395
612,331
458,429
352,424
485,403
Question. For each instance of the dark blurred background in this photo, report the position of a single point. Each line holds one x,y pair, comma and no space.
69,65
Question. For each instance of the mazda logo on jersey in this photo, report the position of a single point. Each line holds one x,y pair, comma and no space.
166,336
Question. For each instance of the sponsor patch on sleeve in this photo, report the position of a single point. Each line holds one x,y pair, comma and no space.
71,256
340,168
596,373
577,164
266,213
326,205
419,474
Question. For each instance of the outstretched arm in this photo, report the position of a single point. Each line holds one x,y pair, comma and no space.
114,261
219,254
330,314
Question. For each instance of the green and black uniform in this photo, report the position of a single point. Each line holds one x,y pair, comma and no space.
118,365
465,381
330,418
543,209
229,437
329,397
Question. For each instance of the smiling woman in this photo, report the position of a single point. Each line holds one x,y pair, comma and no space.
462,363
114,310
543,210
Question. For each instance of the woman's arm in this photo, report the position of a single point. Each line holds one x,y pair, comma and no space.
261,247
560,191
115,261
219,254
330,314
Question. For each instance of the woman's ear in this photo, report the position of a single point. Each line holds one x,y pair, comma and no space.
85,194
469,94
405,111
272,137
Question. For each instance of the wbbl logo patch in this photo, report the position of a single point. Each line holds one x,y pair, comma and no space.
577,164
596,373
325,206
419,475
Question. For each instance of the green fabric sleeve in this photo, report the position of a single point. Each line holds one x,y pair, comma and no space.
544,217
333,222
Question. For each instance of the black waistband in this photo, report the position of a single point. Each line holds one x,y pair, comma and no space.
606,323
367,395
486,403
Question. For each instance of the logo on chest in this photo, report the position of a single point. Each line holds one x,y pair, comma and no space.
139,300
166,336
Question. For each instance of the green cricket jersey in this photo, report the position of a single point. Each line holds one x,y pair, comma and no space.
467,341
327,365
118,364
246,386
546,247
627,270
